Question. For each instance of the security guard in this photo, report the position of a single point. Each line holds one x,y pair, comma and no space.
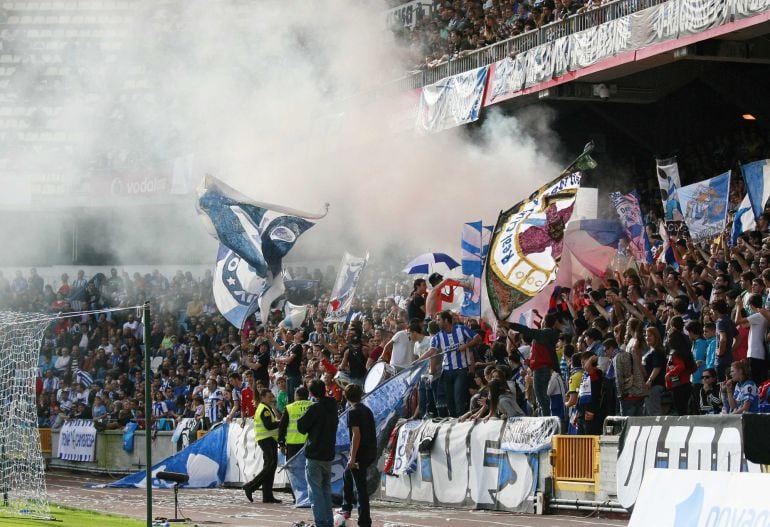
289,438
266,432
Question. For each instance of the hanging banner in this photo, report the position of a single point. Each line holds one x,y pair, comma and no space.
631,218
704,443
451,102
345,287
506,77
705,206
492,465
77,440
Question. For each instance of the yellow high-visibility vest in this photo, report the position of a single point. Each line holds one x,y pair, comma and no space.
260,431
296,410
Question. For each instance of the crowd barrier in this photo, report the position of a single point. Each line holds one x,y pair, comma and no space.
484,466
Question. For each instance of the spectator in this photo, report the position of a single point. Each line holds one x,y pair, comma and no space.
740,391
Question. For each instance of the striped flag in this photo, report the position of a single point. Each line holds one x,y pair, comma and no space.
84,378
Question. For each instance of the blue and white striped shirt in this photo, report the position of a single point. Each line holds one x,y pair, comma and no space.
449,342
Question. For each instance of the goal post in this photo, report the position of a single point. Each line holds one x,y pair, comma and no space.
22,469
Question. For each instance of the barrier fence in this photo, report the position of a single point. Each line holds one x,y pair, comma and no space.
575,462
45,440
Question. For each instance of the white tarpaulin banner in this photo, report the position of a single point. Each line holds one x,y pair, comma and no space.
539,67
467,464
507,77
451,102
746,8
592,45
77,440
700,15
666,21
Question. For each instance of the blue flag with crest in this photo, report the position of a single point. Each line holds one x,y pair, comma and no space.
254,237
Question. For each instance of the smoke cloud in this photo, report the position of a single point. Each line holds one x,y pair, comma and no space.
292,103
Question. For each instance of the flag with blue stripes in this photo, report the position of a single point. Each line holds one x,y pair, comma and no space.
743,221
757,178
474,245
705,206
627,206
254,237
84,378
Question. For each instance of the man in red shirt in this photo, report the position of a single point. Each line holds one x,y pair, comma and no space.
247,395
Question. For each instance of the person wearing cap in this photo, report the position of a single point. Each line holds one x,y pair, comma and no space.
266,435
291,441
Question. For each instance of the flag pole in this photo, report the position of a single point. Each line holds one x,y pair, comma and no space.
147,412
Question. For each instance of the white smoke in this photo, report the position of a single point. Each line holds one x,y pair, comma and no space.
291,103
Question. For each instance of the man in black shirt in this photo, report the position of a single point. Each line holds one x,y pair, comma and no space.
293,361
363,451
355,356
320,424
416,306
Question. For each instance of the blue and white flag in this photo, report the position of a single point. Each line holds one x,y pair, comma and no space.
259,233
705,206
668,180
294,315
254,238
238,290
345,287
744,219
84,378
474,245
757,177
204,461
630,213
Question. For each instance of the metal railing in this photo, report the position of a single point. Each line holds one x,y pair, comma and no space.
45,440
470,60
575,461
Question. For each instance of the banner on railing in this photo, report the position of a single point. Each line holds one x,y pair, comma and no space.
506,78
747,8
77,440
708,443
451,102
469,464
408,14
606,34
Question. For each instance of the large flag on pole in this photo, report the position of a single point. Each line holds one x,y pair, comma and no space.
528,239
254,237
668,179
705,206
757,178
744,219
345,287
630,213
474,245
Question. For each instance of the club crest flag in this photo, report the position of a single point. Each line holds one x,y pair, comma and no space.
705,206
254,237
669,182
630,214
528,240
474,245
345,287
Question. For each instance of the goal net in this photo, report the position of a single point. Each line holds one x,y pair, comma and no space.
22,470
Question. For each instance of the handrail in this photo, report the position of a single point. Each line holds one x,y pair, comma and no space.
466,61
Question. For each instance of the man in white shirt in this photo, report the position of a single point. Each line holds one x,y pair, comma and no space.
757,322
399,351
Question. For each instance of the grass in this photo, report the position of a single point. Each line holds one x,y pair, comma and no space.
68,517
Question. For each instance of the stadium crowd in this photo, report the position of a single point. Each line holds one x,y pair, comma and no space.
456,27
652,339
